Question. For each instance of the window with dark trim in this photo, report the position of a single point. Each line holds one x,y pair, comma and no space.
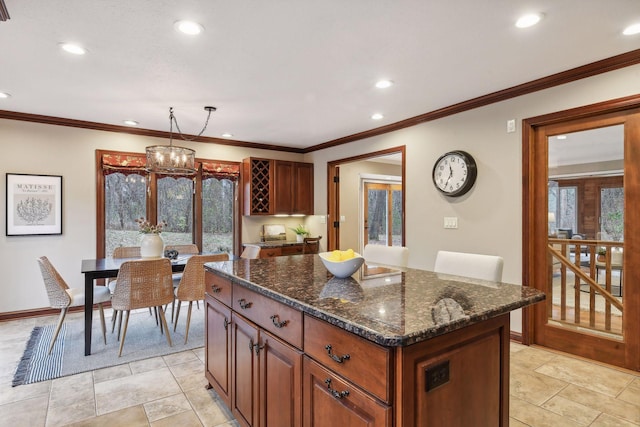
201,208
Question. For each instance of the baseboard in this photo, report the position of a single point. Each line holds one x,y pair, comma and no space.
39,312
516,336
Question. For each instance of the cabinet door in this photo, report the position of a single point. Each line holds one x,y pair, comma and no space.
280,383
218,348
244,372
303,189
284,194
330,401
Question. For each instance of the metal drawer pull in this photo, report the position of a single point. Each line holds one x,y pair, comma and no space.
338,359
215,289
277,323
244,304
335,393
257,347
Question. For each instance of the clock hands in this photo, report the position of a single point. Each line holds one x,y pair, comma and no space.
450,175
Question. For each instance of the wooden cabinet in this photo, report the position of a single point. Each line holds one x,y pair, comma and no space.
290,249
277,187
257,375
257,175
330,401
275,366
293,188
218,348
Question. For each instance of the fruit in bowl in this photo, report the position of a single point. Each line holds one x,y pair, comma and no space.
341,264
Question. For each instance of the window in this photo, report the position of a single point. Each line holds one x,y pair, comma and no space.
383,214
201,209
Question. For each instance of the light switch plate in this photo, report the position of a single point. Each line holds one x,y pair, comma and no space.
450,222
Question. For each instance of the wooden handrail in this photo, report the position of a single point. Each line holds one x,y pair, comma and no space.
578,272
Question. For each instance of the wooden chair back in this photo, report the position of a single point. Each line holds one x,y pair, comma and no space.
126,252
191,249
143,283
192,286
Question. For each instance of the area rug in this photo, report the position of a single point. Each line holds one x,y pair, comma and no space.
143,341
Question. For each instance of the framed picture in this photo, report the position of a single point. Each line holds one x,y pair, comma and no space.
34,204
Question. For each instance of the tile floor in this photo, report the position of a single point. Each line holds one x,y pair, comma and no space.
548,389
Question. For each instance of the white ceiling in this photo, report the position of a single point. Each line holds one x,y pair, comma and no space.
290,72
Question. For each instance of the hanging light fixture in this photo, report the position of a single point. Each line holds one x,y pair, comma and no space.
171,159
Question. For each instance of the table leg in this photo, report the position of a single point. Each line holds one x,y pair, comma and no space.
88,312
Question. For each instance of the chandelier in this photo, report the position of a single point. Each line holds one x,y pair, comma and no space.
171,159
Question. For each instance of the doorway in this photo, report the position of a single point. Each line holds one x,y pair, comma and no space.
581,211
382,213
345,222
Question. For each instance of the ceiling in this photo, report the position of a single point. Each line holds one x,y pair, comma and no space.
288,72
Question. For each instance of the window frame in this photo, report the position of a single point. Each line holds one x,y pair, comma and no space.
152,201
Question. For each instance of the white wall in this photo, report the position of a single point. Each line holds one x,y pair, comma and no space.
56,150
490,215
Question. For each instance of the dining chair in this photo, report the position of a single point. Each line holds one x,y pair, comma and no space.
141,284
311,245
397,256
191,249
118,253
63,297
476,266
250,252
192,285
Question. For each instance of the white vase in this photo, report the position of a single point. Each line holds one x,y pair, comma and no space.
151,246
299,238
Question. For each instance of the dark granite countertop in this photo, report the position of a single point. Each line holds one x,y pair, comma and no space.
387,306
274,243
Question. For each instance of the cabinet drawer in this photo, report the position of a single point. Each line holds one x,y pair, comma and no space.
292,250
281,320
270,252
331,401
361,361
218,287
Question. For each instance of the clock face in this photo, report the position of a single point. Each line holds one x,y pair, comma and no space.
454,173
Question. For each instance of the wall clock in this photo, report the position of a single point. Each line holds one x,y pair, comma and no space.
454,173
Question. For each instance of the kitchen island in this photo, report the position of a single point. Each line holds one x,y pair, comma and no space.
289,344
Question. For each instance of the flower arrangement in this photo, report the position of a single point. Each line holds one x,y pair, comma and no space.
147,228
300,230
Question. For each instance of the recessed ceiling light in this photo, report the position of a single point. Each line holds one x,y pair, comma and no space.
4,95
383,84
189,27
529,20
227,135
561,136
73,48
377,116
131,123
631,30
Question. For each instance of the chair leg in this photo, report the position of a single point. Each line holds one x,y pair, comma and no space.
102,323
124,331
173,307
119,323
63,313
164,322
177,316
186,333
114,316
198,304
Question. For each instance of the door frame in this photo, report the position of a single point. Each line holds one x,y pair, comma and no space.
333,192
625,111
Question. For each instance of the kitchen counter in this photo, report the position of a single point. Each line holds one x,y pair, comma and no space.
274,244
290,345
395,308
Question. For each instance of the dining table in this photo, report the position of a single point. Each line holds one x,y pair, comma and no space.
104,268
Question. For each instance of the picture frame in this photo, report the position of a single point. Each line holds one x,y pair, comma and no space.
33,204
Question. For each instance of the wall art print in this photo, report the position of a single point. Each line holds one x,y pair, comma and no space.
34,204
